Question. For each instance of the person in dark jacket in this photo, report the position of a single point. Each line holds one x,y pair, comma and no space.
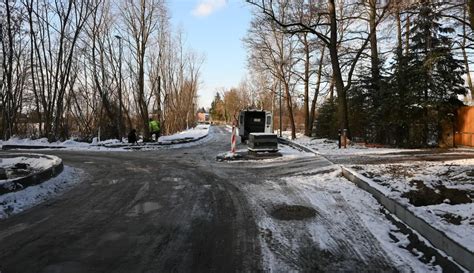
132,137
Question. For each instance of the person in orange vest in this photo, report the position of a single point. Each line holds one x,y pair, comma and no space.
154,127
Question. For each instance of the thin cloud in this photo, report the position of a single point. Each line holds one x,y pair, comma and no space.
207,7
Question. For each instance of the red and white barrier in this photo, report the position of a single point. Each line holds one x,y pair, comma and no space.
233,141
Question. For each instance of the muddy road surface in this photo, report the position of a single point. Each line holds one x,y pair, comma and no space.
178,210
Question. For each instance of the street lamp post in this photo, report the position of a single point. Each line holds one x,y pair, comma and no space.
280,112
120,85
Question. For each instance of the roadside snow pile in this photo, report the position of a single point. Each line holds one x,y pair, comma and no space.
16,202
285,153
17,166
441,193
192,134
291,153
330,147
28,141
199,131
341,229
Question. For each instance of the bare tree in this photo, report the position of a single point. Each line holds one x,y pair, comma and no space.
274,51
327,20
140,18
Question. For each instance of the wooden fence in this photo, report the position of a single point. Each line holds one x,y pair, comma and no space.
464,135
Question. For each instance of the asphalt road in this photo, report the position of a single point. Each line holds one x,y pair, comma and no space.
170,210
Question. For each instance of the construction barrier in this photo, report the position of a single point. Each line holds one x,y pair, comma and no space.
233,141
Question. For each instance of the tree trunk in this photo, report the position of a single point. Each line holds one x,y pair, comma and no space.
407,35
338,80
316,90
465,57
375,72
307,119
399,30
373,47
470,5
289,105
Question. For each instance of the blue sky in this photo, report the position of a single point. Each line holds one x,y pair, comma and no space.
215,28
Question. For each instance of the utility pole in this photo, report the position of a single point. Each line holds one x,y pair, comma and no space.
120,127
280,112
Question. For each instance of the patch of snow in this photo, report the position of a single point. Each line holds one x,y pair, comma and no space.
194,133
16,202
197,132
330,147
395,179
346,217
287,154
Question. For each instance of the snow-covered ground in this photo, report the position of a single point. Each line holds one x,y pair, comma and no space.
287,153
16,202
199,131
330,147
110,144
439,192
348,226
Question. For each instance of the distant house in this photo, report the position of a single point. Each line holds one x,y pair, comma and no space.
202,117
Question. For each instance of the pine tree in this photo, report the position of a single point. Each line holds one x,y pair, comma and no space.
428,79
326,121
216,110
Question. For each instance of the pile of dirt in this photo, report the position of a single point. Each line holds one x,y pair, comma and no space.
426,196
452,218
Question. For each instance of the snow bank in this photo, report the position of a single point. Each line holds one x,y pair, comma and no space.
198,132
347,217
16,202
193,133
331,147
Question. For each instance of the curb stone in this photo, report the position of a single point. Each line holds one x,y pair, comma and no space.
34,178
29,147
439,239
301,147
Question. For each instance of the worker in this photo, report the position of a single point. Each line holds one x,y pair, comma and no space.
154,127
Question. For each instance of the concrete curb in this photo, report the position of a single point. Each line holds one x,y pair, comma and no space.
297,146
439,239
301,147
34,178
29,147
